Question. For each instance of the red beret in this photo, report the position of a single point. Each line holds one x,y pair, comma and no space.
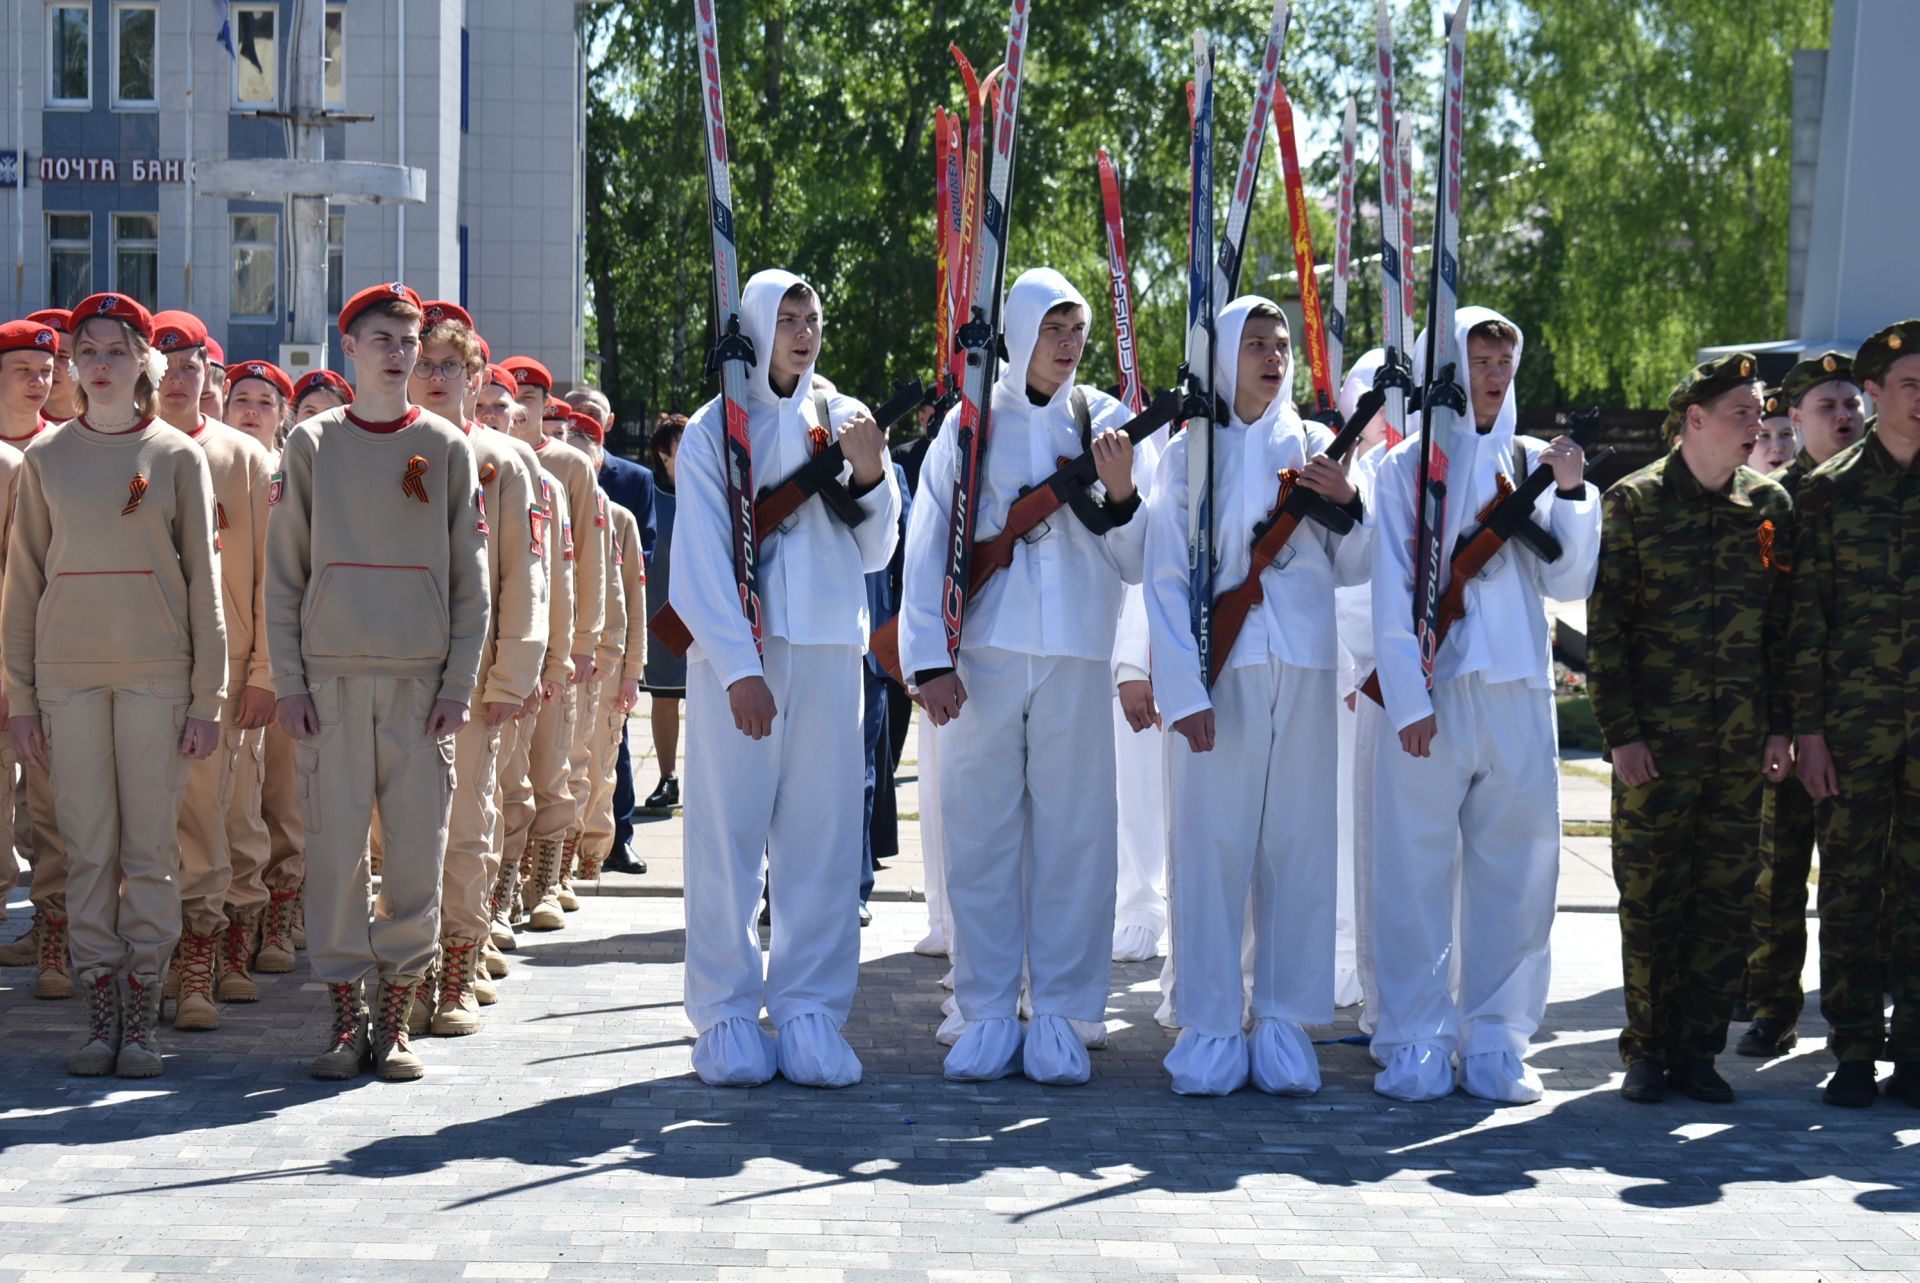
321,381
29,336
387,293
178,331
558,412
504,377
58,317
527,370
486,348
266,371
438,310
584,422
216,355
116,307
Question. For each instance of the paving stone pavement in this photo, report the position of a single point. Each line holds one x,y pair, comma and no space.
570,1141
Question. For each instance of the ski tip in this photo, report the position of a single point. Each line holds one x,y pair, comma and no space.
1382,21
1457,27
1102,157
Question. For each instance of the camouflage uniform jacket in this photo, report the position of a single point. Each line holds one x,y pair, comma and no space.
1793,474
1689,616
1856,603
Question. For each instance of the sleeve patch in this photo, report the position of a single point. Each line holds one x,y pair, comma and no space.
276,488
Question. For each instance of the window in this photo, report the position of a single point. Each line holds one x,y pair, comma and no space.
336,87
136,256
133,32
256,56
256,266
70,55
69,258
336,263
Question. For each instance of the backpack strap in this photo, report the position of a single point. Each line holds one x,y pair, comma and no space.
1082,417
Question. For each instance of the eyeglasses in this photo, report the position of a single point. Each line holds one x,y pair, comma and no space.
455,369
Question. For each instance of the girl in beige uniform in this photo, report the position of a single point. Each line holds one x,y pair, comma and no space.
377,614
116,668
621,658
448,373
28,351
584,433
223,844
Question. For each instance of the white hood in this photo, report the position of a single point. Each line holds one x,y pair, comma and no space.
1227,328
759,317
1034,294
1359,381
1464,320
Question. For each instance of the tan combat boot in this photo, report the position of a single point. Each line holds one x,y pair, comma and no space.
193,964
494,963
420,1010
276,936
546,913
393,1055
24,952
563,892
56,969
300,915
484,991
500,909
139,1028
459,1011
347,1042
96,1057
234,983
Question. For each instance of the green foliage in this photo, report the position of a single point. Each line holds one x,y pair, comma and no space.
1656,223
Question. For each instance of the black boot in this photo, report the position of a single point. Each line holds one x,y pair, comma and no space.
1646,1082
1696,1077
665,795
1904,1085
623,861
1767,1038
1852,1085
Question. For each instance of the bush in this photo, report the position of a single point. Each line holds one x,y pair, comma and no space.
1578,726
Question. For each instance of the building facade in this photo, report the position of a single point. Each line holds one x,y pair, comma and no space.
114,100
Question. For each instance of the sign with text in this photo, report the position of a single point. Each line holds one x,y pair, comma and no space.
106,169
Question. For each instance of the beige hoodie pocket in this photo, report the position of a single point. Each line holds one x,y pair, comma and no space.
107,617
359,611
239,623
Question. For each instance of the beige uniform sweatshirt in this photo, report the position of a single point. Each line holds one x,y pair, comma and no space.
11,461
517,638
242,471
613,629
576,472
556,545
376,560
633,582
112,577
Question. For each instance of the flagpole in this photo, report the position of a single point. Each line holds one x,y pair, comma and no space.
186,270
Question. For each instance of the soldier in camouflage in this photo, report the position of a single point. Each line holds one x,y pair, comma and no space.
1688,636
1856,716
1824,405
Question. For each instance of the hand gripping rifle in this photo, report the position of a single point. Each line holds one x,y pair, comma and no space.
819,475
1508,517
1069,486
1295,504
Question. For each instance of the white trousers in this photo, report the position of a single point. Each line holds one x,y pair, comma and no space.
939,937
1353,966
1254,826
1480,820
791,805
1031,827
1140,899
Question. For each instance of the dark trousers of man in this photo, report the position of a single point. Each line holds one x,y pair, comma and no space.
882,828
1869,858
1684,859
623,797
1780,904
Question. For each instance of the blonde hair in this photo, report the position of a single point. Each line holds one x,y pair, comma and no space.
153,367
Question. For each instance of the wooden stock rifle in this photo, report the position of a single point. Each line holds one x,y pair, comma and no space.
1295,504
1508,517
1070,487
819,475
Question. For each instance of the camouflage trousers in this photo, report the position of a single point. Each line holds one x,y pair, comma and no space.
1780,904
1869,932
1685,853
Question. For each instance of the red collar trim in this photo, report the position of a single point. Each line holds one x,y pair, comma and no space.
406,420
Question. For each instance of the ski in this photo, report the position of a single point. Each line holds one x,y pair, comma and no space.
1342,251
1198,372
1441,402
732,353
1312,318
946,213
1132,395
1233,245
980,335
1396,285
